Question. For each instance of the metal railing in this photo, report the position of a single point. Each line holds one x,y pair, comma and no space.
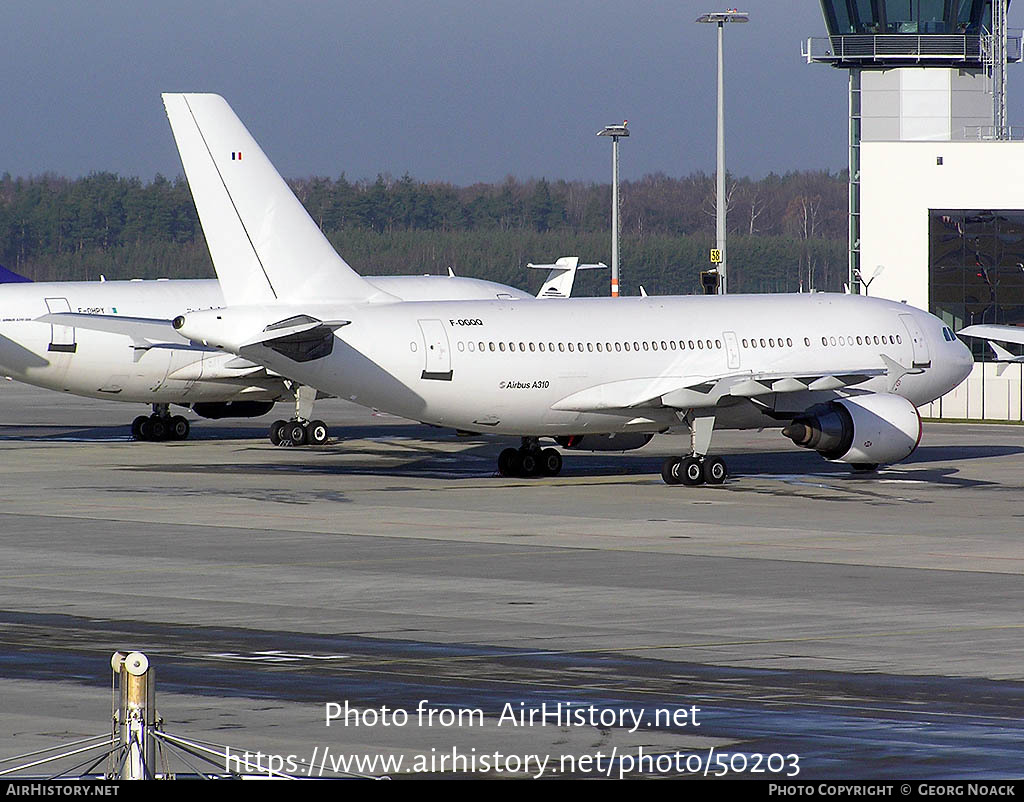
986,133
862,48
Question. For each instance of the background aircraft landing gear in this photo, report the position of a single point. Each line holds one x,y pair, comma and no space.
161,425
529,460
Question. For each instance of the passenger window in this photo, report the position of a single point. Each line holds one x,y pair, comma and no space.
700,344
718,344
561,347
618,346
501,346
491,346
590,347
570,346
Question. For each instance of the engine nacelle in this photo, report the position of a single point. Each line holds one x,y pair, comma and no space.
879,428
215,410
605,442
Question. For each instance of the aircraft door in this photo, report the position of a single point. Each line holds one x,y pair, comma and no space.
62,338
922,356
732,349
437,354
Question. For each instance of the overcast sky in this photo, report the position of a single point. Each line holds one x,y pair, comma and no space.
453,90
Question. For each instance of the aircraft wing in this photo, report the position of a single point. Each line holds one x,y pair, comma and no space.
1003,334
699,392
144,331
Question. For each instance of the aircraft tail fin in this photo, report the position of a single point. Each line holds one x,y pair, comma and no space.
10,277
264,245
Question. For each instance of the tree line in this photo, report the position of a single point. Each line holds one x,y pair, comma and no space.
786,232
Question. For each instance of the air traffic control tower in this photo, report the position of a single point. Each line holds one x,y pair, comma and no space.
920,71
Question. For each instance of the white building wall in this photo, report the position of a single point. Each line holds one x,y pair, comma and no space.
901,181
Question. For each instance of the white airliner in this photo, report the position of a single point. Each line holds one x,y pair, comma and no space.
843,374
141,364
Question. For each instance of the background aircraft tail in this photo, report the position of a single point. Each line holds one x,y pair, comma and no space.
264,245
10,277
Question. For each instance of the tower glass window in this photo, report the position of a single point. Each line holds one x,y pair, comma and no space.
976,267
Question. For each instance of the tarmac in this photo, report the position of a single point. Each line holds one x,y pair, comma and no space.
870,625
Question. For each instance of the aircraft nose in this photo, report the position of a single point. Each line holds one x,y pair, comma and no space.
964,360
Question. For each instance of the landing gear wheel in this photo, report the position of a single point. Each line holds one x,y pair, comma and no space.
137,425
691,471
550,462
317,431
715,470
295,432
179,428
864,467
529,463
157,428
277,431
670,471
508,462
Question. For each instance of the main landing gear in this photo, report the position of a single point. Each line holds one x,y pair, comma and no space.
529,460
698,467
298,433
694,470
161,425
300,430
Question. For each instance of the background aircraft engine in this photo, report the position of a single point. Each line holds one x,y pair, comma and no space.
605,442
863,430
214,410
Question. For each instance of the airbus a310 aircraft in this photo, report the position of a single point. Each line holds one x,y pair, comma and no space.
842,374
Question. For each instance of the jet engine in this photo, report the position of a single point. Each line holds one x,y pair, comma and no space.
605,442
215,410
863,430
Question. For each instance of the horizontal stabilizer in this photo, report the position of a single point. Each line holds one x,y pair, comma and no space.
144,331
293,328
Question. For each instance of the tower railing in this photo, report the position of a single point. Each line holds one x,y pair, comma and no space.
859,49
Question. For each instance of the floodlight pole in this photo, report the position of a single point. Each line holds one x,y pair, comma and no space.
615,131
720,18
